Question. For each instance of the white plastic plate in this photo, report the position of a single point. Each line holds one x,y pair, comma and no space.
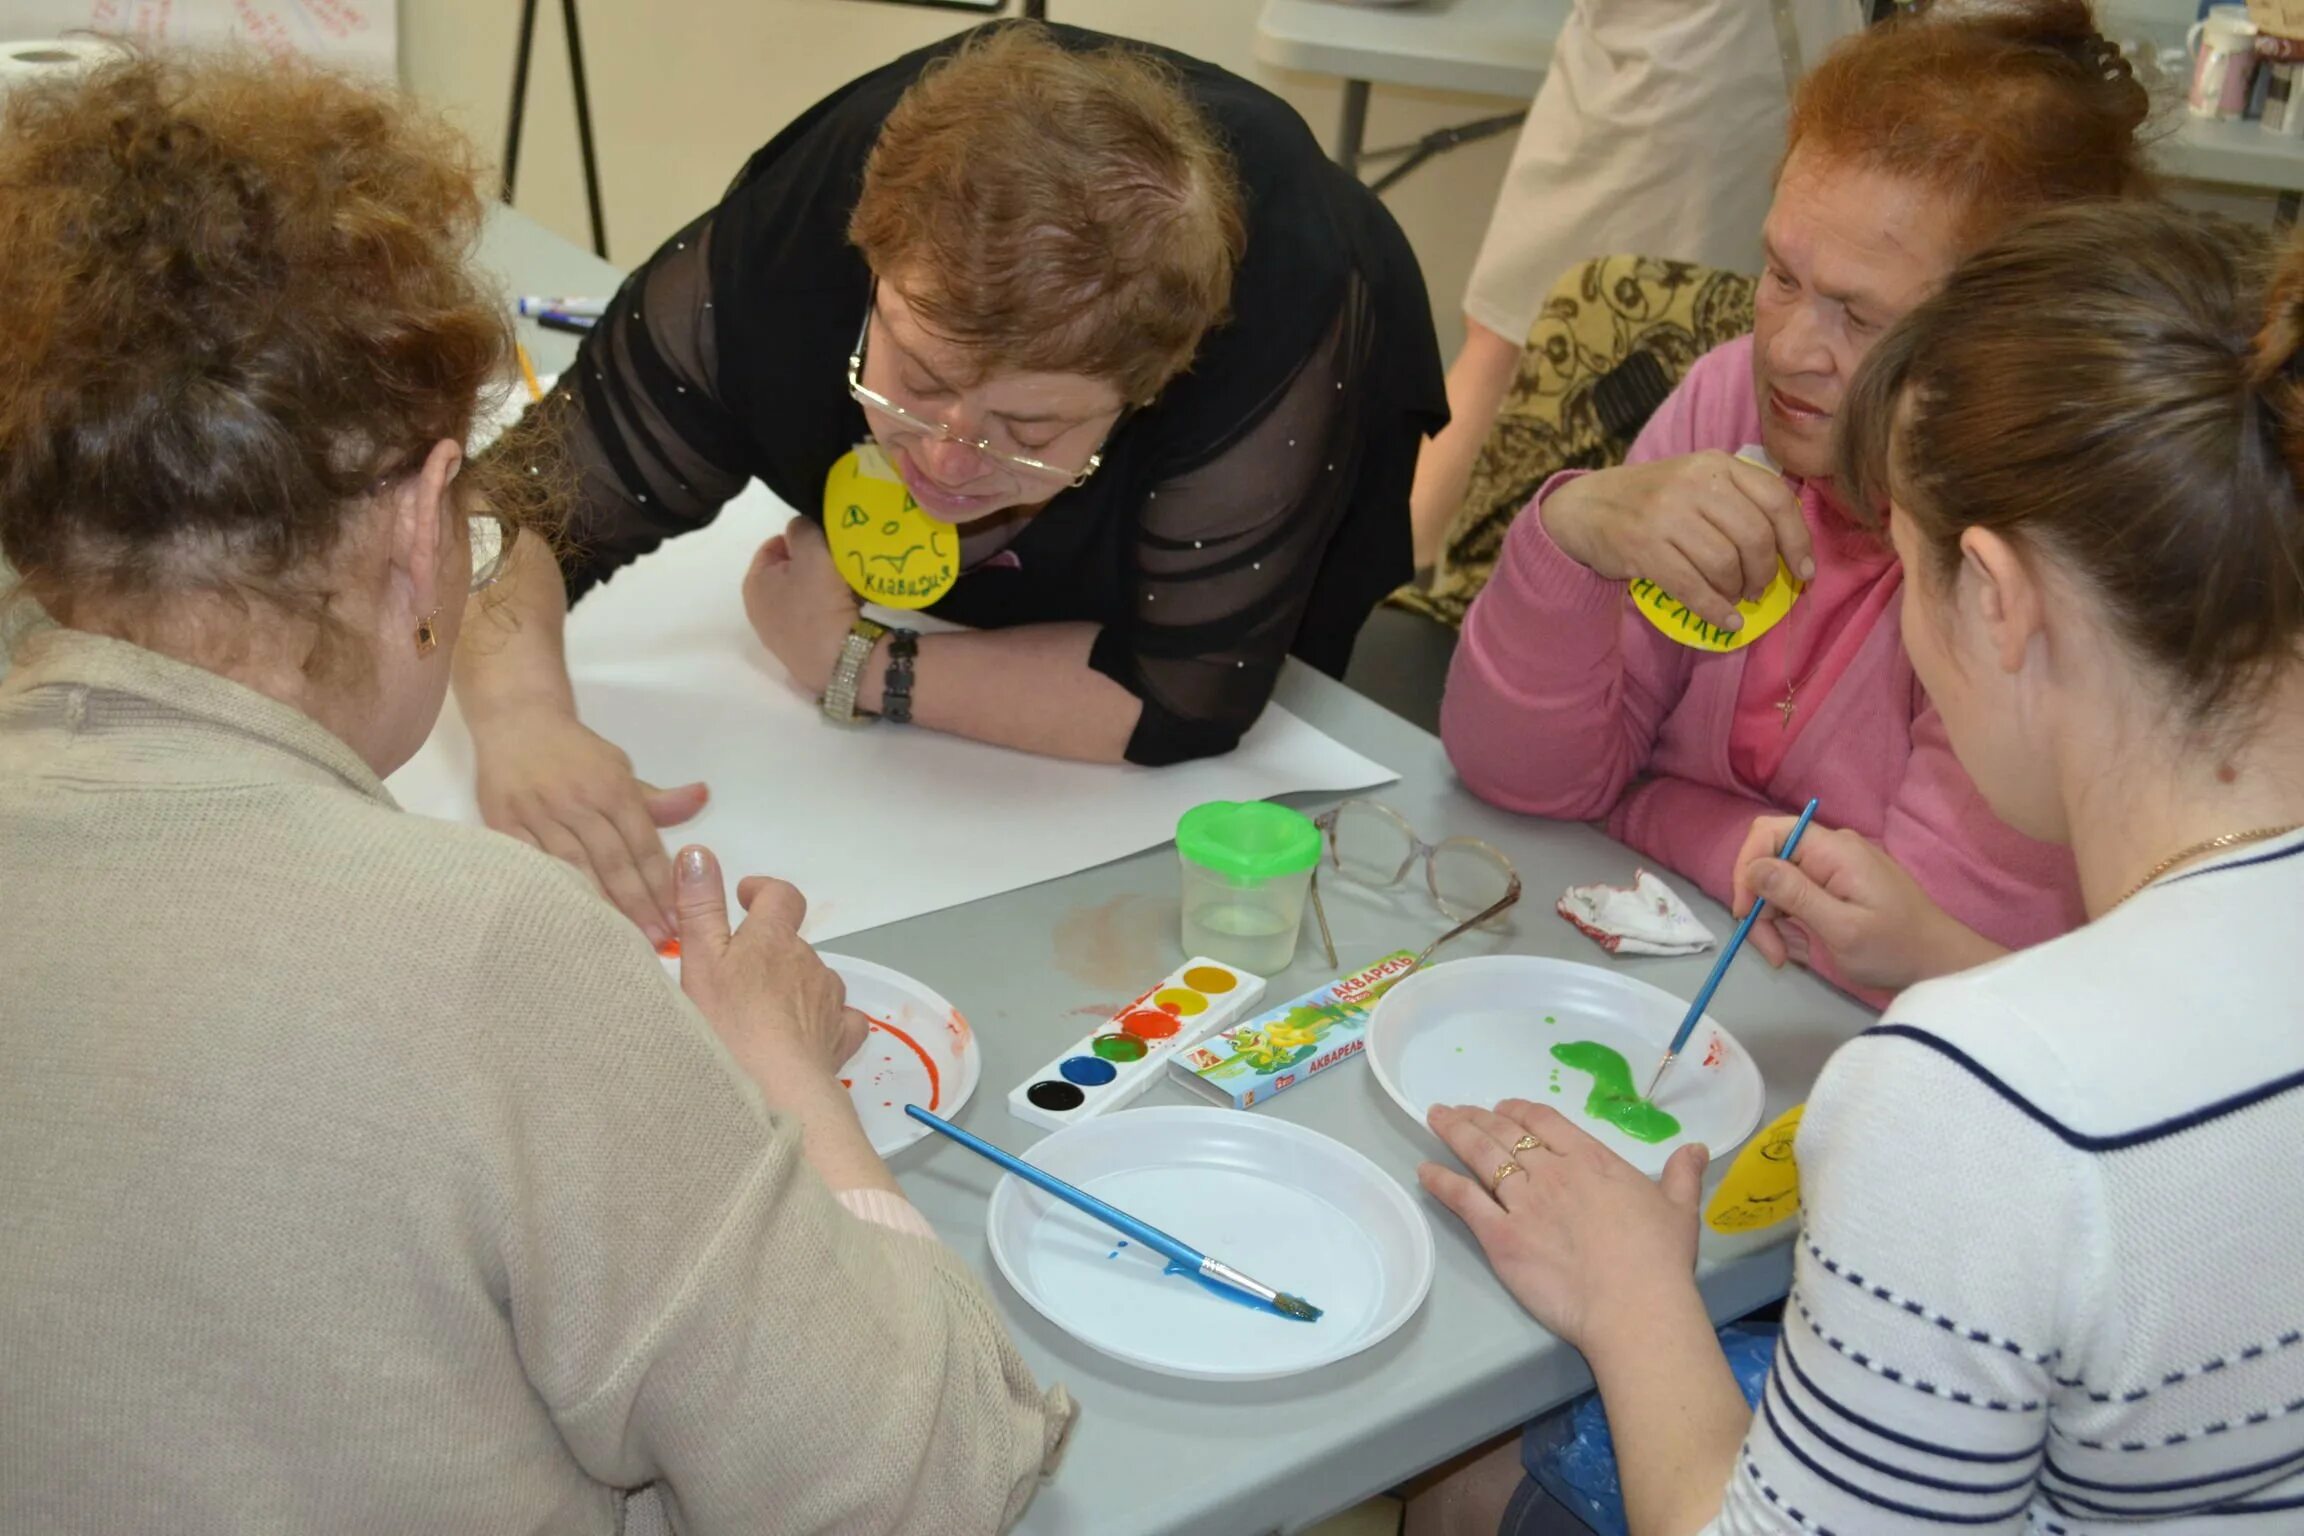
1480,1030
1290,1207
920,1051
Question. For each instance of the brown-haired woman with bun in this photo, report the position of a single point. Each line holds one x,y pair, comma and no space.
2046,1278
1909,146
1153,369
359,1171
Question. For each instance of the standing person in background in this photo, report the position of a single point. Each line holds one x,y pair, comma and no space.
1655,133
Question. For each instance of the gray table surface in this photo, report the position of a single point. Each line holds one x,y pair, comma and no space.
1156,1455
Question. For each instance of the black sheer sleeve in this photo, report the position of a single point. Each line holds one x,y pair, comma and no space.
1227,552
639,415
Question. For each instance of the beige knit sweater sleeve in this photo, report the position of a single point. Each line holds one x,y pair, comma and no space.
364,1172
696,1308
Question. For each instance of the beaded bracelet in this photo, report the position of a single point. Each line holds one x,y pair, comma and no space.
896,687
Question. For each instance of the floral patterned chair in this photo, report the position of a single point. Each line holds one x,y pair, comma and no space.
1614,337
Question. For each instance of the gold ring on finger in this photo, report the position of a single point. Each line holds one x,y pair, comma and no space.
1527,1144
1503,1172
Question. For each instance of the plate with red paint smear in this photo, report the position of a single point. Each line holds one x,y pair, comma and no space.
919,1051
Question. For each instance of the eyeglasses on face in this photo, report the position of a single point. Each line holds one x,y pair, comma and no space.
911,423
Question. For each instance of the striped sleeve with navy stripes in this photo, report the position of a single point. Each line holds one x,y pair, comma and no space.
2051,1270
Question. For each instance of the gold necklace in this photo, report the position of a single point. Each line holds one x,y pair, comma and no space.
1790,701
2211,845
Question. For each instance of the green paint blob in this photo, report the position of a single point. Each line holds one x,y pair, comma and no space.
1550,1020
1612,1098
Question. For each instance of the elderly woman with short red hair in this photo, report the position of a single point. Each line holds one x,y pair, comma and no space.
1154,370
1910,146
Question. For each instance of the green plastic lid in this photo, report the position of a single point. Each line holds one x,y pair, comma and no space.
1248,839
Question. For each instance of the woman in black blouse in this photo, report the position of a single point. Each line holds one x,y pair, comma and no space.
1104,308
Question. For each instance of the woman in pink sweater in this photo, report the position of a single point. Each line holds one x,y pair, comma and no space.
1911,145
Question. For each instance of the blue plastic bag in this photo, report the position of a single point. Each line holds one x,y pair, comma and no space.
1571,1456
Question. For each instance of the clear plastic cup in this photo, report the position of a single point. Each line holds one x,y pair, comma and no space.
1247,866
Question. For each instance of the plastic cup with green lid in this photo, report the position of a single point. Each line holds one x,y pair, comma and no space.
1247,866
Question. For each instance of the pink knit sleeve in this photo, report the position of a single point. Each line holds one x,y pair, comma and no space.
1558,688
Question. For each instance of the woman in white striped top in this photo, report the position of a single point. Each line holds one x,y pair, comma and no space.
2051,1270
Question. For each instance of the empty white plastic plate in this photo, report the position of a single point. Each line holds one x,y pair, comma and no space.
1480,1030
1293,1208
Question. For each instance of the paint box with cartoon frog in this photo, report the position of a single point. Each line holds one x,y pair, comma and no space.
1281,1047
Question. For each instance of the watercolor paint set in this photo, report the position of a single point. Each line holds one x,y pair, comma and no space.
1251,1061
1112,1065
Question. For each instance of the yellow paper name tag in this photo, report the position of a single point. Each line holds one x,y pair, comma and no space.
1763,1184
1760,614
890,551
1679,621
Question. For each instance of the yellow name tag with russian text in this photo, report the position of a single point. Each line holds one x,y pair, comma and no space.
890,551
1681,623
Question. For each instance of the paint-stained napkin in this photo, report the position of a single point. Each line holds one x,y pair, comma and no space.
1648,919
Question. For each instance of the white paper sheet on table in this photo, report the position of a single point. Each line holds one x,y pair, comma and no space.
876,823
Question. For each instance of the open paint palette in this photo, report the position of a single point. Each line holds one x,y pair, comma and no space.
1290,1206
1115,1063
919,1051
1577,1037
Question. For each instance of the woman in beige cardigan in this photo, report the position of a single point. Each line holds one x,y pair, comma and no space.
358,1171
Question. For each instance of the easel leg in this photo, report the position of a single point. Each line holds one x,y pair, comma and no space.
523,57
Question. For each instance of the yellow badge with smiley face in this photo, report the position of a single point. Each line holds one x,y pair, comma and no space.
1762,1186
890,551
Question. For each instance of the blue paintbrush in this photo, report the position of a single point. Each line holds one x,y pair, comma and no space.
1182,1257
1720,966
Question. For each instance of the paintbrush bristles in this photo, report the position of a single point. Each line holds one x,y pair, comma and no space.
1296,1307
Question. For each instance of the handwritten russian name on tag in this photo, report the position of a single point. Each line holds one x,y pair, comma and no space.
889,551
1760,614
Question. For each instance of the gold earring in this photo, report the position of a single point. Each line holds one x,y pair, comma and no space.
427,638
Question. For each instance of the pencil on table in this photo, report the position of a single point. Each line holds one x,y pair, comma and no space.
528,372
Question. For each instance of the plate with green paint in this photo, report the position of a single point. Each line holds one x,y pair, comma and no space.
1580,1038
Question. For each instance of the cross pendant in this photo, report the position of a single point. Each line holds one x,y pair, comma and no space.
1784,707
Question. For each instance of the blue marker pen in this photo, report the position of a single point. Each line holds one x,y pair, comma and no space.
534,306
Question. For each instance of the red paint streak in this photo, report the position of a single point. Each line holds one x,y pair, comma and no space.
1713,1055
935,1083
847,1082
669,949
1150,1024
957,1028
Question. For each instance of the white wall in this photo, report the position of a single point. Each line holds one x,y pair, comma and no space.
683,90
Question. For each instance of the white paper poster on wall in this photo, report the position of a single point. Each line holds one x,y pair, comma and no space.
356,34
